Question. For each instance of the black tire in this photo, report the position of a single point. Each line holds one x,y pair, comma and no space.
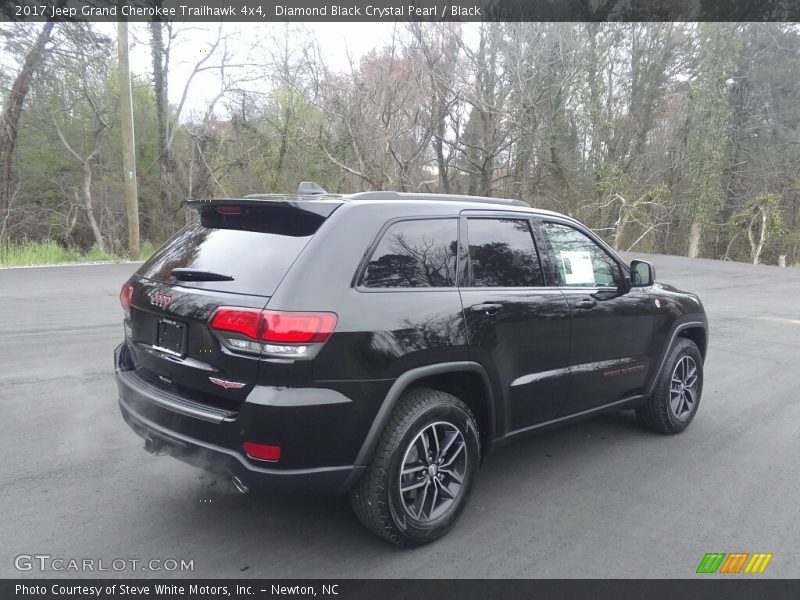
658,412
422,416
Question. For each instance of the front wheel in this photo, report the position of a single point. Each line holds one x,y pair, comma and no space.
421,475
676,394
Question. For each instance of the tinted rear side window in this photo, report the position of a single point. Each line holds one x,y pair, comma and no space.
502,254
420,253
257,260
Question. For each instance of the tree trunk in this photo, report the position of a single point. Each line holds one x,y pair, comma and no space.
695,235
11,116
621,224
160,83
287,116
620,231
441,163
128,143
762,235
757,247
87,202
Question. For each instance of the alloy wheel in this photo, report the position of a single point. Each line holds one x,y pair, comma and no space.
433,471
683,387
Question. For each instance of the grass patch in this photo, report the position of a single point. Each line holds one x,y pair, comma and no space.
36,253
146,251
50,253
98,255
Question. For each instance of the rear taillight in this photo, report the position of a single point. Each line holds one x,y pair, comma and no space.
272,332
297,327
125,295
237,320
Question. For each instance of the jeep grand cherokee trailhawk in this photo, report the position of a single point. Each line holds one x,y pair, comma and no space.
381,344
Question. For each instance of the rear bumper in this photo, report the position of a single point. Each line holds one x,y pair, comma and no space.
215,444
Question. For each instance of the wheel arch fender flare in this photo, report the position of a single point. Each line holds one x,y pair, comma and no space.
406,380
673,335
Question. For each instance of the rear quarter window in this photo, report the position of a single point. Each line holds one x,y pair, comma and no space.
415,254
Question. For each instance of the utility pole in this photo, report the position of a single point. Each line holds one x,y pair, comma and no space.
128,144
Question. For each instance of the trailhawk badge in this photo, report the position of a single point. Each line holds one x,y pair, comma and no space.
228,385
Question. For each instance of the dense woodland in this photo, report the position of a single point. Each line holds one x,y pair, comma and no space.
672,138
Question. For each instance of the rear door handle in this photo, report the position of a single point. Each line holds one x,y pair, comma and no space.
586,303
489,309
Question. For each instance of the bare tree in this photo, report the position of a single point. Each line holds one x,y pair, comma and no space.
218,57
377,128
485,136
88,54
11,117
439,46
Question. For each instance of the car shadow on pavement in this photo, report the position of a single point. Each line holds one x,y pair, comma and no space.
314,522
257,530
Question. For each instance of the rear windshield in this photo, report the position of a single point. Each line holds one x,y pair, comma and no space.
257,259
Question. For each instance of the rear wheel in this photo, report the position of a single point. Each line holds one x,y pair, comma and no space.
421,474
676,395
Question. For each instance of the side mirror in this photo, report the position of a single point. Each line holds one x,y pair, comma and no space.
643,274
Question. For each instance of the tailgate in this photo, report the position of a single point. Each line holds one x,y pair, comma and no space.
234,255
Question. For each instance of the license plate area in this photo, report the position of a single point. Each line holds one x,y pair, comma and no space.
171,337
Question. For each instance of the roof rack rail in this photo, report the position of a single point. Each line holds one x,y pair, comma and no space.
305,190
391,195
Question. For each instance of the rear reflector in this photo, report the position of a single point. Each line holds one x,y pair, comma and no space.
262,451
275,326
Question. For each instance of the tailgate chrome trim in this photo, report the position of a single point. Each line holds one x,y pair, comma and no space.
176,358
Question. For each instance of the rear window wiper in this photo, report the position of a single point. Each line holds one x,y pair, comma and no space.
198,275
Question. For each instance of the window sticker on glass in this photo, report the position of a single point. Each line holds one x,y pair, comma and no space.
577,267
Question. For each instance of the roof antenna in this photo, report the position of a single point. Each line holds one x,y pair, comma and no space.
309,188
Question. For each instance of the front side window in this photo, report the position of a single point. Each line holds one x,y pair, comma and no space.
413,254
579,260
502,254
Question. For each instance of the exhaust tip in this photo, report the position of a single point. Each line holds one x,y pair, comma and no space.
155,446
149,445
239,485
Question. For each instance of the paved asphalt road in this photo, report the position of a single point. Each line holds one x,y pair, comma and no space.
602,498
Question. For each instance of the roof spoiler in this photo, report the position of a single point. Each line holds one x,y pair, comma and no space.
311,198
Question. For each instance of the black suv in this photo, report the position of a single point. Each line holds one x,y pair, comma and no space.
382,343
